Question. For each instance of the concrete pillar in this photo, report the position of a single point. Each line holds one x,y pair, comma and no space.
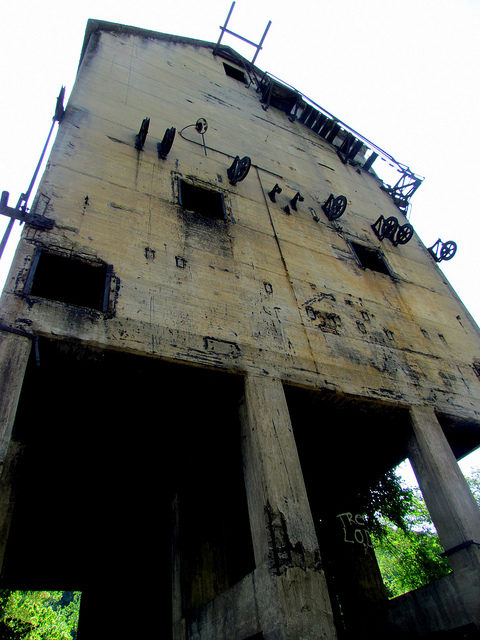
292,596
178,622
450,503
14,353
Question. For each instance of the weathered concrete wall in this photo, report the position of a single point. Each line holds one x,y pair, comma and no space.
431,609
262,292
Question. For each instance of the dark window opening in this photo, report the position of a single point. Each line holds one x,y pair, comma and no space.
370,258
205,202
233,72
69,280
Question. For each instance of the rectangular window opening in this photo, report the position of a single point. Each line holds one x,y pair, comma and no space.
233,72
370,258
70,280
206,202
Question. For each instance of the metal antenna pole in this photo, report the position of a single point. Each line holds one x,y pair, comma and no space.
23,199
222,29
261,41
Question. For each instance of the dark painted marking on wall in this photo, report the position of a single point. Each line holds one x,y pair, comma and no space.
149,253
448,379
279,545
361,327
268,287
328,322
221,347
118,141
319,298
180,262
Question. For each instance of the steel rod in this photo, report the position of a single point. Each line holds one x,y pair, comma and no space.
232,33
23,199
261,41
222,29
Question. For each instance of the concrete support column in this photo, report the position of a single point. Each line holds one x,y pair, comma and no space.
14,353
292,597
450,503
178,622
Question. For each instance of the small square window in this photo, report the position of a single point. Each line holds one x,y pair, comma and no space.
370,258
233,72
206,202
70,280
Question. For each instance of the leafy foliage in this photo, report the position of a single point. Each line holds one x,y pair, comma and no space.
474,484
38,615
388,501
409,556
405,541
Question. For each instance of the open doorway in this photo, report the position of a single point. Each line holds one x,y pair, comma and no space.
110,440
346,445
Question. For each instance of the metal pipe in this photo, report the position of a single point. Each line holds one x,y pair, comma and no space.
37,169
23,199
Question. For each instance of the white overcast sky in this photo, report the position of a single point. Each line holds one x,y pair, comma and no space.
404,74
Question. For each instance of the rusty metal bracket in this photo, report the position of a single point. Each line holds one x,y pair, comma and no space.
23,199
163,147
239,169
443,250
25,334
391,229
404,189
334,207
271,194
59,108
142,134
296,198
37,222
349,149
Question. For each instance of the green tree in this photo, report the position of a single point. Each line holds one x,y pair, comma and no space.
38,615
405,541
474,484
409,556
